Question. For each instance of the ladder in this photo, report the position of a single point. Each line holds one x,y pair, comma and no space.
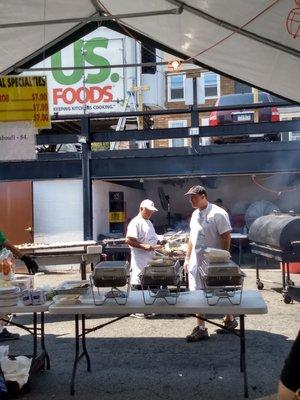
129,102
130,105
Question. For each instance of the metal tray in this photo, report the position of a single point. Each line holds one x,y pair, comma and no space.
66,287
111,274
161,275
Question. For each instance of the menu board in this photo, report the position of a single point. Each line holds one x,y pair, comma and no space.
25,98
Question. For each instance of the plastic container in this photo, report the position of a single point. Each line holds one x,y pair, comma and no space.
66,299
7,265
73,287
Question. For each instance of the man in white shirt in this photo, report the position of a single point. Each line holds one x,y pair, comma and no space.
142,239
210,227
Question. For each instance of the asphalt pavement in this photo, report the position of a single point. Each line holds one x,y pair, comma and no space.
150,359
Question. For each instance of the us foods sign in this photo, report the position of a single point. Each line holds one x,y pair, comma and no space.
79,90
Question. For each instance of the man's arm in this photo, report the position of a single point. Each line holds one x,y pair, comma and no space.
225,239
28,261
16,252
189,249
187,256
133,242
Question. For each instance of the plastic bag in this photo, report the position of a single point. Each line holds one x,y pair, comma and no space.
7,265
4,350
212,255
17,369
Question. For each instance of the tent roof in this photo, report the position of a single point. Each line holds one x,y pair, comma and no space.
255,41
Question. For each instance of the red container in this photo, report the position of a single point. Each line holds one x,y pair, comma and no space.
294,267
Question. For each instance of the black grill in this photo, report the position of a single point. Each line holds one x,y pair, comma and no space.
276,236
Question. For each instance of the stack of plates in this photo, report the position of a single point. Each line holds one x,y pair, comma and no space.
9,296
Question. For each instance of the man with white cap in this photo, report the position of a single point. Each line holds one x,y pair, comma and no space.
210,227
142,239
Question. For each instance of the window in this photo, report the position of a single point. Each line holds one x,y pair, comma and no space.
176,87
240,87
180,142
148,56
211,85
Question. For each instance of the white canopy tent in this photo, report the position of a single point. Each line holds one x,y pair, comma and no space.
255,41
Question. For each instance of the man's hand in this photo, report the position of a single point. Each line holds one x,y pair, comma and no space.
186,264
147,247
30,264
157,247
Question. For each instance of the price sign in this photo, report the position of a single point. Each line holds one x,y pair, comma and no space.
25,98
116,216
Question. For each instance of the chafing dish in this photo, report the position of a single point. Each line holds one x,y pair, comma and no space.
156,278
111,274
222,280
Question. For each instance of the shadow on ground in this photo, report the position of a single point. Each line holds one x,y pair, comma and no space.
156,367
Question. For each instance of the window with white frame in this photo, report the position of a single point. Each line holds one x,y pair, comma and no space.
211,85
179,142
176,87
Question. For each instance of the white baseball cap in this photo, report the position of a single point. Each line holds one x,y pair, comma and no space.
148,204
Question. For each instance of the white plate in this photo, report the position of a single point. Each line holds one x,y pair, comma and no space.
9,290
9,296
9,302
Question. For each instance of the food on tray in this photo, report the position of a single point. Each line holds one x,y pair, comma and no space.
176,244
159,257
173,253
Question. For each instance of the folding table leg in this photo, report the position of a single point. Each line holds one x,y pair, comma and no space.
83,269
77,357
43,340
34,335
240,252
84,345
243,354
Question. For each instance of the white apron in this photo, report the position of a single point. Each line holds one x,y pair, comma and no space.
143,230
206,228
196,258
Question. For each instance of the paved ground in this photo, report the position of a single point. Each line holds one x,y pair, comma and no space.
149,359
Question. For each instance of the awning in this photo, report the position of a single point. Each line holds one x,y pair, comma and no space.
255,41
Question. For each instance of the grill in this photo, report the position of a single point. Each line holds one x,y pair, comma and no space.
277,236
116,249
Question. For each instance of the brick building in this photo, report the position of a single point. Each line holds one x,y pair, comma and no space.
214,85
